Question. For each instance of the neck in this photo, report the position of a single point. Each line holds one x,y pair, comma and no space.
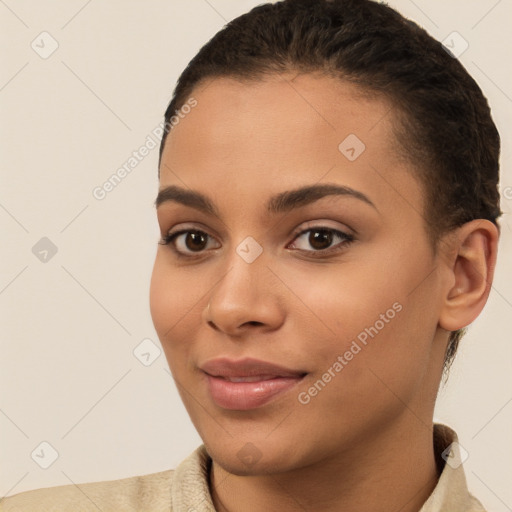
395,470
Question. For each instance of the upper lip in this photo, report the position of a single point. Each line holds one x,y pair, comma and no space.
248,367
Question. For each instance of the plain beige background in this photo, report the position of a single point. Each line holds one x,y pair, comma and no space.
70,323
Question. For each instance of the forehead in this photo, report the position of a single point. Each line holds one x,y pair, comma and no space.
279,110
262,136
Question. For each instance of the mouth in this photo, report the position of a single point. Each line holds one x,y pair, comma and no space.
249,383
255,378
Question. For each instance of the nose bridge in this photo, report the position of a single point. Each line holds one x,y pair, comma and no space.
247,272
244,293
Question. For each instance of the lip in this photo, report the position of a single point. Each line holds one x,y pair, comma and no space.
248,383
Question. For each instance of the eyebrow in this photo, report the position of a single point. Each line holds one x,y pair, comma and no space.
280,203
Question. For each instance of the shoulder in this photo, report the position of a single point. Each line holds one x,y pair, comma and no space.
138,493
185,488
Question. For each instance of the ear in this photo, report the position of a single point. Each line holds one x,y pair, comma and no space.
473,249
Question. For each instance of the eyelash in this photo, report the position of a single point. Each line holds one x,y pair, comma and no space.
347,240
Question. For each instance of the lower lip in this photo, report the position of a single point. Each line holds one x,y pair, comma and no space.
243,396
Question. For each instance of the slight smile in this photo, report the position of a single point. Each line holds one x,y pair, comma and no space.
248,383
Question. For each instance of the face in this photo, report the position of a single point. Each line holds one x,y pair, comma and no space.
296,296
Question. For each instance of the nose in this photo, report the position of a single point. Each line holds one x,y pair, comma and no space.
248,297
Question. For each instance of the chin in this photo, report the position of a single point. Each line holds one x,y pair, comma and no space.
250,459
233,465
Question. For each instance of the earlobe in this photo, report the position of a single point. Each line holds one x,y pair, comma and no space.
471,273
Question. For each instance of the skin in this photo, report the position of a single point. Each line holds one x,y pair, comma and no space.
369,431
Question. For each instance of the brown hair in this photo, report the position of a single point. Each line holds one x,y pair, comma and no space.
444,122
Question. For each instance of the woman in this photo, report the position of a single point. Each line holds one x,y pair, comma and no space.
328,211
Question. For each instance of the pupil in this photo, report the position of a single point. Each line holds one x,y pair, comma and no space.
198,240
320,239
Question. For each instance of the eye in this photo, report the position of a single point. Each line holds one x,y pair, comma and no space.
187,241
321,238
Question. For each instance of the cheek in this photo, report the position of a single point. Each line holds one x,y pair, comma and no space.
174,305
160,299
337,303
364,310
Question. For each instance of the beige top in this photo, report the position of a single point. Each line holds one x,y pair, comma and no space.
185,489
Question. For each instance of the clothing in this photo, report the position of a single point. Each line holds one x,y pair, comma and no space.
186,489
